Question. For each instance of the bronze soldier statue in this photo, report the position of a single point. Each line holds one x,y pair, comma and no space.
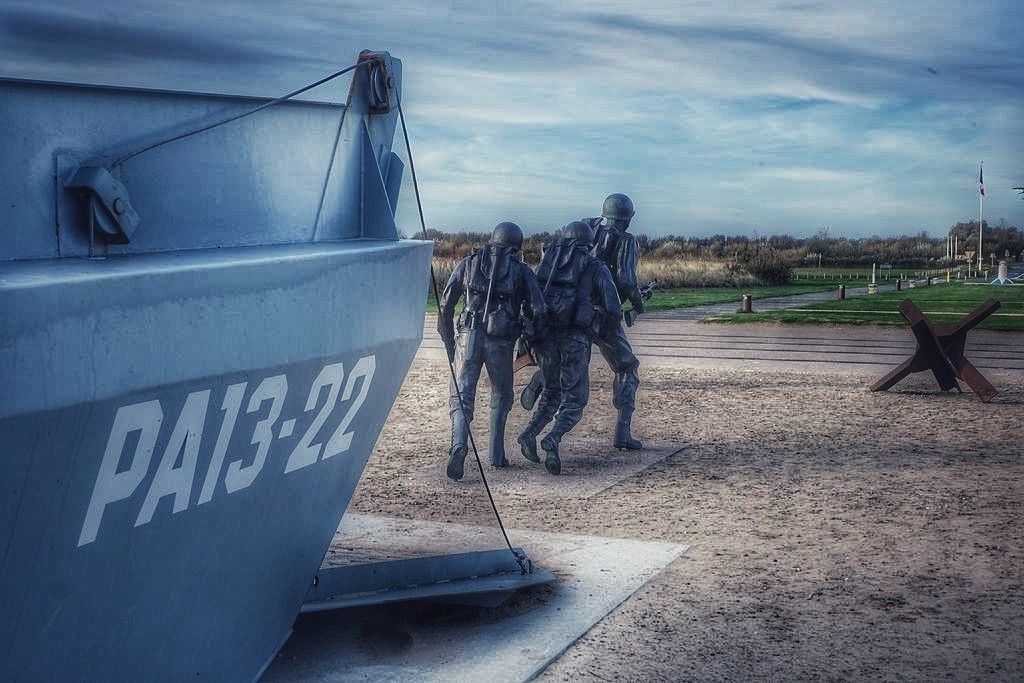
499,290
618,249
581,301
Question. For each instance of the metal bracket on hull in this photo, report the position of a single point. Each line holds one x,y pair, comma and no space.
378,219
484,578
111,212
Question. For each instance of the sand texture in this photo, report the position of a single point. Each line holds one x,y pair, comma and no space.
832,533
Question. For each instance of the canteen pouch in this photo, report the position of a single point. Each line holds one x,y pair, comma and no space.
500,323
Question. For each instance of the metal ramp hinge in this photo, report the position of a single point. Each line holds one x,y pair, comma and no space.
112,217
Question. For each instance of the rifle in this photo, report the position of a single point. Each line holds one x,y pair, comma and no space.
630,314
524,356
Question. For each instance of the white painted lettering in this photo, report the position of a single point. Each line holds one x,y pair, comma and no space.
111,485
184,441
272,389
307,453
231,405
341,439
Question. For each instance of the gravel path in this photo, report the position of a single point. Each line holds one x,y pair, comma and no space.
834,534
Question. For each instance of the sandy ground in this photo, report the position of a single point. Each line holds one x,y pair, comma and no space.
833,533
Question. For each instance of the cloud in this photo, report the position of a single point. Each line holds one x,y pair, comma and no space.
790,115
37,32
814,175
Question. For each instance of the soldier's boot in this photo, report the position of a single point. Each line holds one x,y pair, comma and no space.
458,450
497,439
528,438
549,443
531,392
623,439
456,461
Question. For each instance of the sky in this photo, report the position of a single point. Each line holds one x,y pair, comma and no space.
792,117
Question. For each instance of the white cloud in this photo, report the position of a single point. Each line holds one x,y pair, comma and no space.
789,114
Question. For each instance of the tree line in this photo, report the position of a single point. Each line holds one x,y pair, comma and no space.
906,251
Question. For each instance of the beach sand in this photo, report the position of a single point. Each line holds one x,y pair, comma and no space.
832,533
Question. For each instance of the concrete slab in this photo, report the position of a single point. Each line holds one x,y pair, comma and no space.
588,467
511,643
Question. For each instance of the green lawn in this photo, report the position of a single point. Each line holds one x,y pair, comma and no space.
668,299
941,303
834,274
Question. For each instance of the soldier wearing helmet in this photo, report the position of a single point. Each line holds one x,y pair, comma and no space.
499,291
580,300
618,249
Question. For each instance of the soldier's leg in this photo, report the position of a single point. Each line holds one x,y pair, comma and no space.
462,414
498,357
531,392
618,352
550,396
574,352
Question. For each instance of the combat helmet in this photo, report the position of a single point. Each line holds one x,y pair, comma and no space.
578,232
507,234
618,207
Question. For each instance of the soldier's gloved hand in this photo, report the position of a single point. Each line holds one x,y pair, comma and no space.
638,305
447,338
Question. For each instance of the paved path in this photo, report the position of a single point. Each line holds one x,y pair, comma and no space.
865,349
768,304
860,349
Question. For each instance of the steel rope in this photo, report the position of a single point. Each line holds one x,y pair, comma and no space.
522,561
234,117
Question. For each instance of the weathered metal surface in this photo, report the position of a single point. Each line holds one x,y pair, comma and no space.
254,182
489,575
940,349
183,422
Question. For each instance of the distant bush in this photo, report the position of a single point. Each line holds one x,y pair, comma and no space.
765,263
666,250
675,273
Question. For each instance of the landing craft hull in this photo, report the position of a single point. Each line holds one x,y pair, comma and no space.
169,575
184,419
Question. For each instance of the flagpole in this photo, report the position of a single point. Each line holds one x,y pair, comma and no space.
981,211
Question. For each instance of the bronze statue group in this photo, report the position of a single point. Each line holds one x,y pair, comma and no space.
572,301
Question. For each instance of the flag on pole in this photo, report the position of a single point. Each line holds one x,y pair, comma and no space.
981,180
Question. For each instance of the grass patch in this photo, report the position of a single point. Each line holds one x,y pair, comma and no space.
688,297
941,303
